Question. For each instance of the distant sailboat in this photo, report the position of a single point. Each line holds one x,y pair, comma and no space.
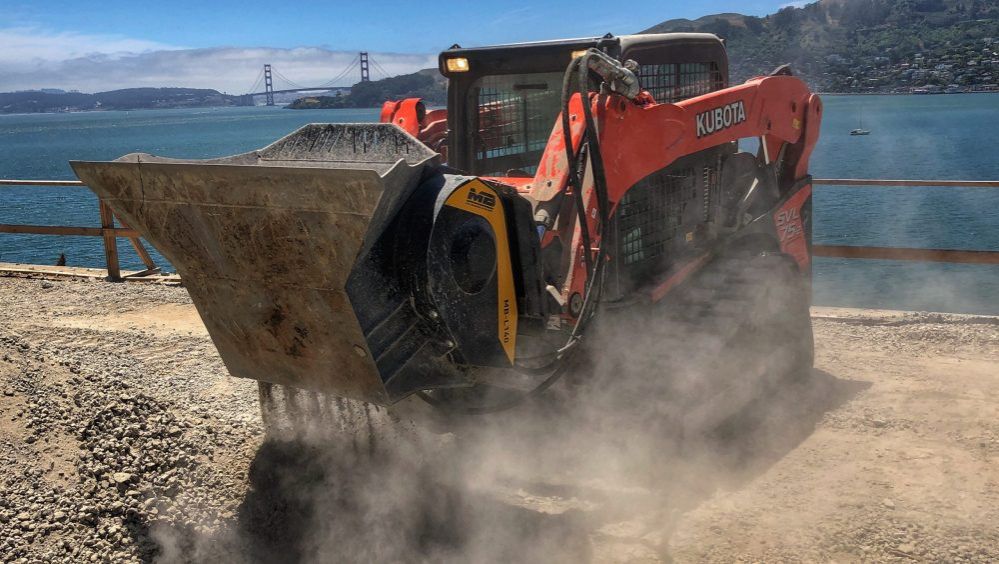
860,130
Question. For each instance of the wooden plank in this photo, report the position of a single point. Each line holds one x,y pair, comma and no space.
57,272
65,230
45,271
4,182
144,273
901,253
878,182
110,242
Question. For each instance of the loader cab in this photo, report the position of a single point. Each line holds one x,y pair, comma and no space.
503,100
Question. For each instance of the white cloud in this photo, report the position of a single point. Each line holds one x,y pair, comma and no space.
31,58
27,45
797,4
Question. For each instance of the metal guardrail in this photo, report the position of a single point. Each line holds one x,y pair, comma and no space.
907,183
110,233
107,230
901,253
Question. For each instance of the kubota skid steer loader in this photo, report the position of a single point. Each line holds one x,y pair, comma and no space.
460,258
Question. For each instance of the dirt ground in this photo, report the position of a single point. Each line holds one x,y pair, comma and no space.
122,438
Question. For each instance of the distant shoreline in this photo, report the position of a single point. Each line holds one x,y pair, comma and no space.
102,110
105,110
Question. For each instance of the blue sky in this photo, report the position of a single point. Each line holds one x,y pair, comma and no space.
42,41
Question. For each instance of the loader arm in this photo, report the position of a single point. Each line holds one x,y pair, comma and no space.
639,138
776,109
411,114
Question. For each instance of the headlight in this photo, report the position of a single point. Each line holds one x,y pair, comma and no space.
457,64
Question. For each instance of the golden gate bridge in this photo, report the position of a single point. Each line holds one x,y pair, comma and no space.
270,82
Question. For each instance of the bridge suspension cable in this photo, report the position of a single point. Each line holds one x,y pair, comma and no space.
379,68
350,68
258,83
287,80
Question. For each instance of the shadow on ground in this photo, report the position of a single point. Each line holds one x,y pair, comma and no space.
309,505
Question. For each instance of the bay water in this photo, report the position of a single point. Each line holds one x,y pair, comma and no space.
915,137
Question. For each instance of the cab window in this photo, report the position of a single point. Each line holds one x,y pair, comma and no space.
513,118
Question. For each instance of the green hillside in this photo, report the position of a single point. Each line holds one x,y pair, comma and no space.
864,45
37,101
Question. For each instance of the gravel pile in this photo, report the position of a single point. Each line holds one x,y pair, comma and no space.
916,332
111,473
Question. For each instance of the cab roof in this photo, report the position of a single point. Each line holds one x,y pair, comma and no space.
514,57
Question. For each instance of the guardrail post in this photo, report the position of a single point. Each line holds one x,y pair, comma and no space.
110,242
147,260
143,254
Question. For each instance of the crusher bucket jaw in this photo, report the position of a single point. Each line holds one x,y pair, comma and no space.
283,252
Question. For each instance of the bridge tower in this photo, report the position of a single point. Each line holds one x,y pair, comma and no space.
268,85
365,76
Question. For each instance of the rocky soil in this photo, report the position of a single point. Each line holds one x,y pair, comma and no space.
98,461
123,439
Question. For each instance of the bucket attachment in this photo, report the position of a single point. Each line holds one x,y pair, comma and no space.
266,241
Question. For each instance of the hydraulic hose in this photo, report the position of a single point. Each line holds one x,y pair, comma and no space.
577,74
580,69
573,180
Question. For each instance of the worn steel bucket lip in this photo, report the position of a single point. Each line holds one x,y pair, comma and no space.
266,240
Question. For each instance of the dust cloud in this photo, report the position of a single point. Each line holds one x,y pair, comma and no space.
661,414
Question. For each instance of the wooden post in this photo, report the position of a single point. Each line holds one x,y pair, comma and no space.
143,254
140,250
110,242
